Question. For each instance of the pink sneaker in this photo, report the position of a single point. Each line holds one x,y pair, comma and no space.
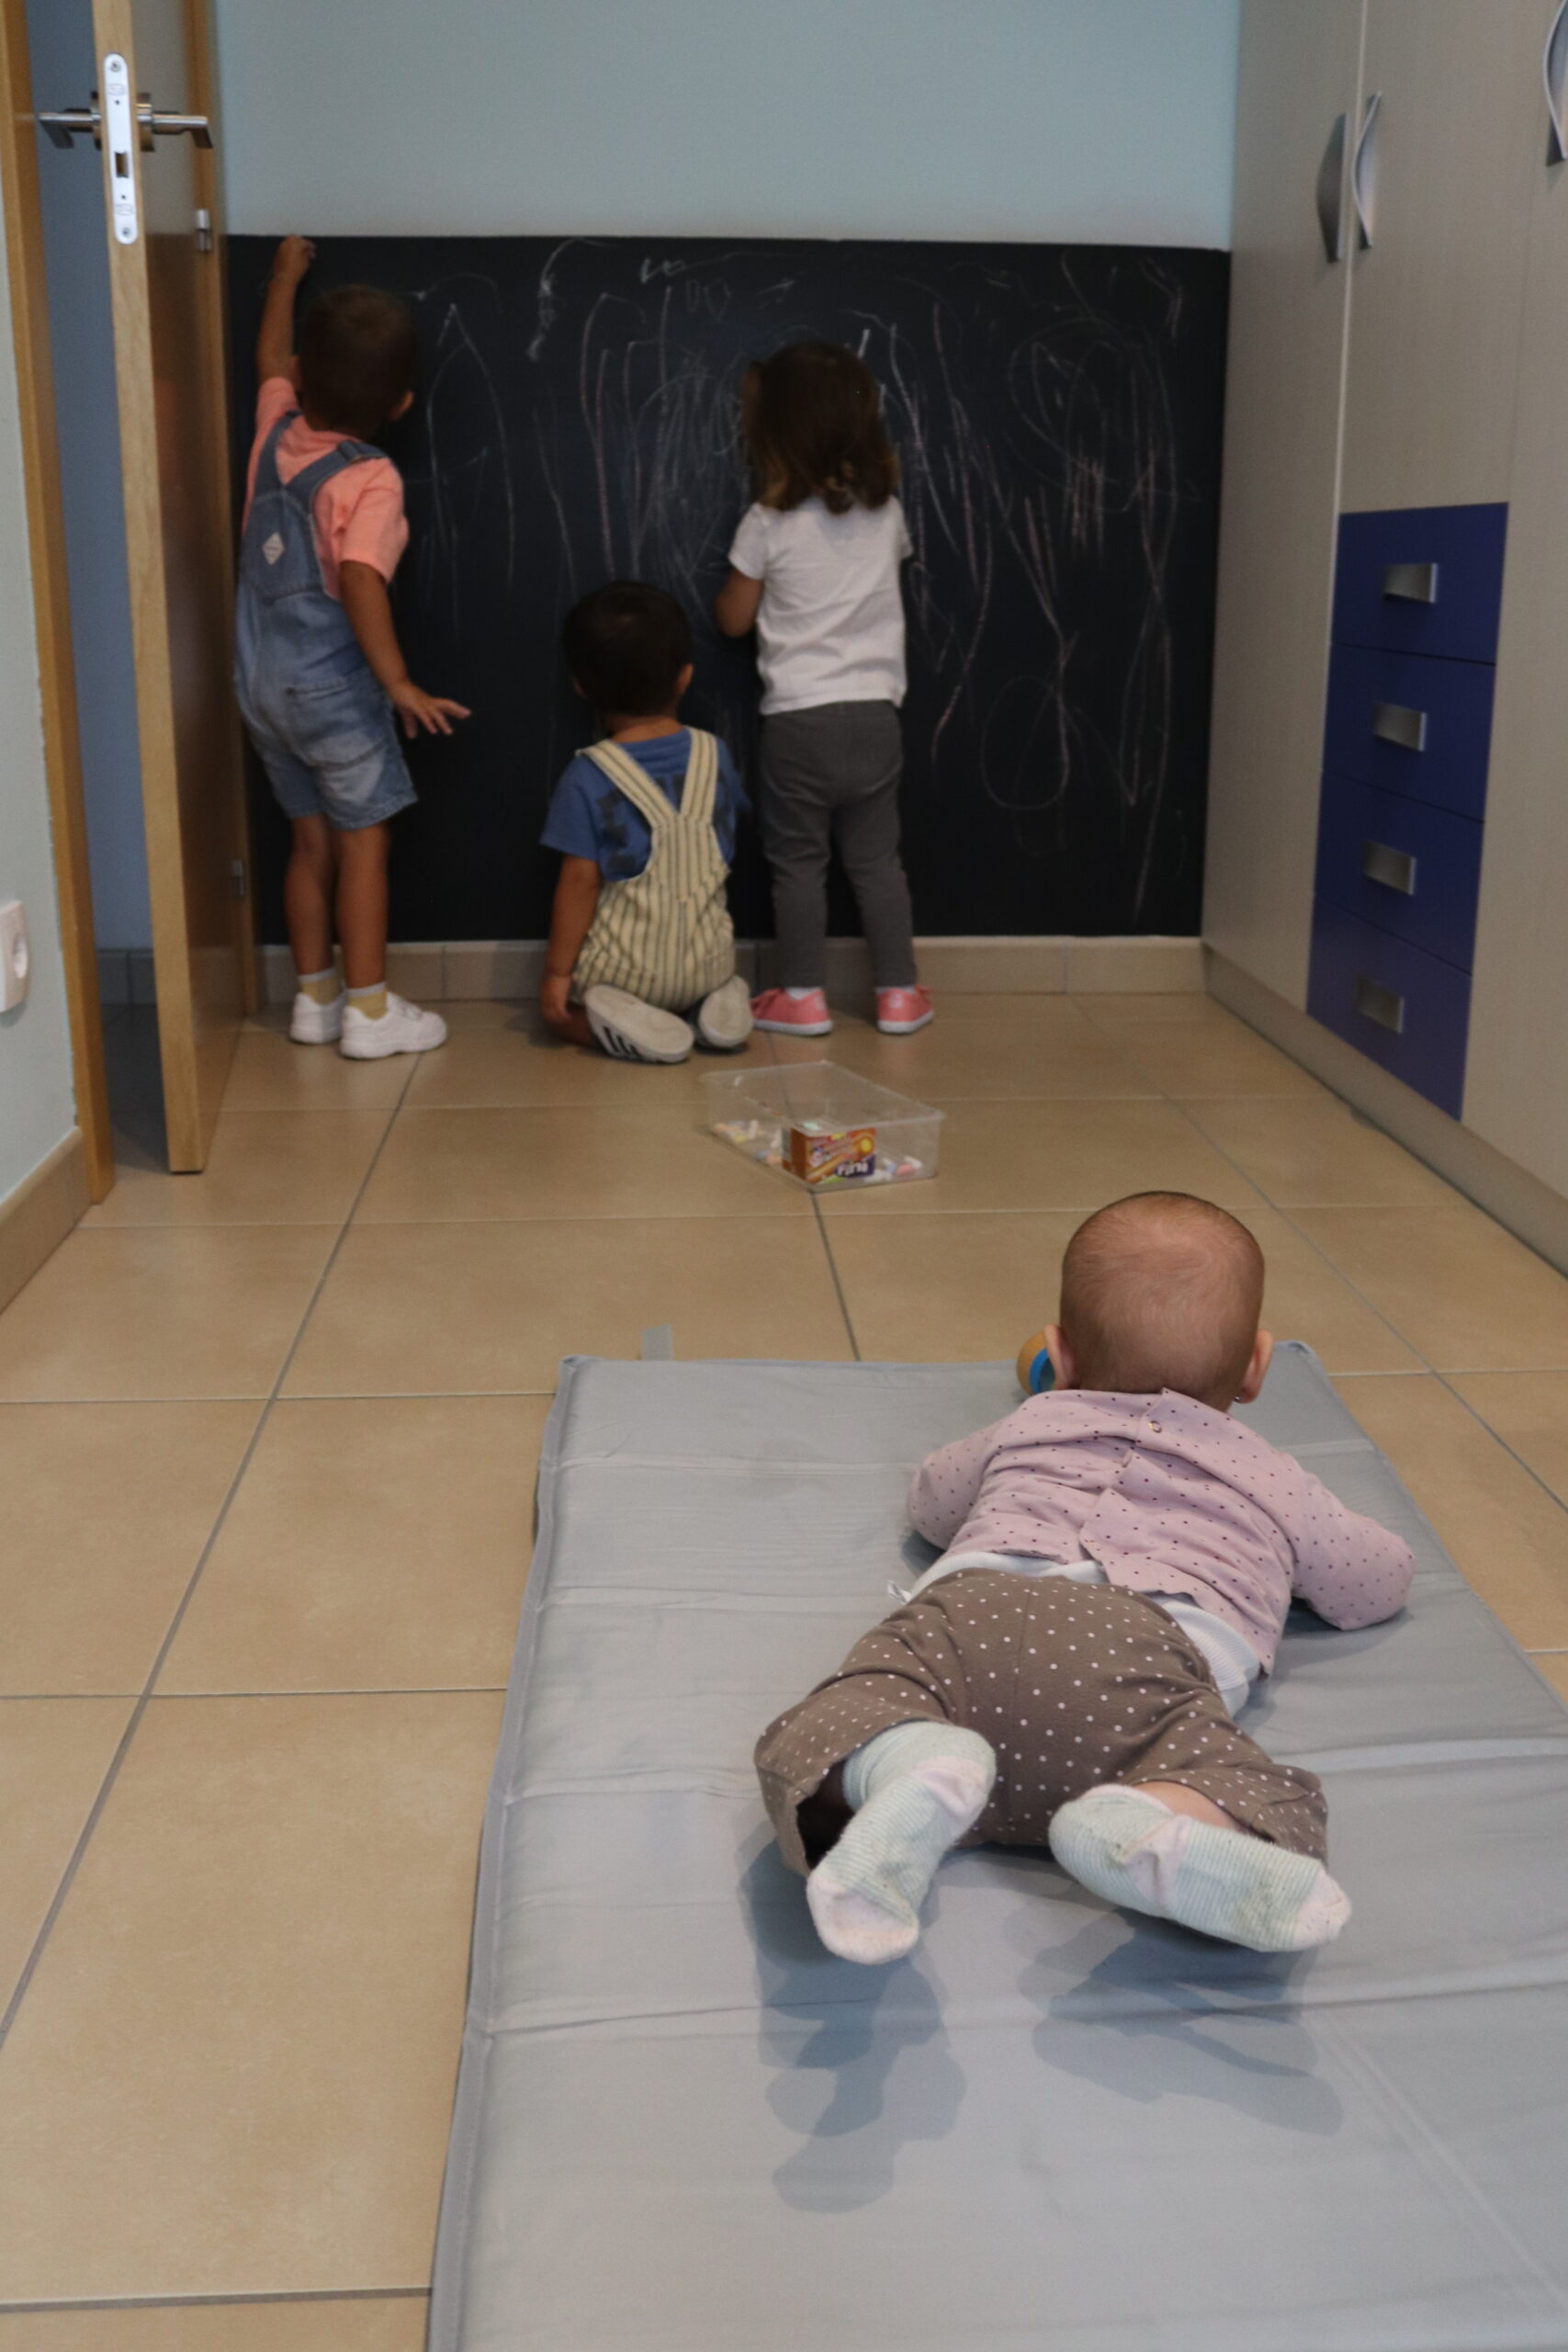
799,1016
900,1012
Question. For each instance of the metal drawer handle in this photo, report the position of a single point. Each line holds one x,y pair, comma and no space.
1378,1004
1414,583
1331,190
1364,174
1394,722
1395,869
1555,73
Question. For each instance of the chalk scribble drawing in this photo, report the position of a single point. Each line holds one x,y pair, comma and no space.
1057,412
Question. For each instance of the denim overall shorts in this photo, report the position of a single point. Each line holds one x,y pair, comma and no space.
316,712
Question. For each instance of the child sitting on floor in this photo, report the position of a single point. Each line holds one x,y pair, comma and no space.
645,822
1120,1559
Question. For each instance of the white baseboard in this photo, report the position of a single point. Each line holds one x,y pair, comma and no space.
437,972
37,1217
1505,1190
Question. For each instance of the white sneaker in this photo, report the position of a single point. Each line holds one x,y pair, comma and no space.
311,1023
634,1032
402,1029
724,1019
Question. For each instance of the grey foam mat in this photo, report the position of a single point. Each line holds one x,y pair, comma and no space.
682,2126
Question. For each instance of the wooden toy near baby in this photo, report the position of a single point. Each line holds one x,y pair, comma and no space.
1036,1373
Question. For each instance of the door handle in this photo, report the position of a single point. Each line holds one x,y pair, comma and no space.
1364,174
67,123
86,122
1379,1005
1412,583
170,126
1392,723
1554,74
1331,189
1395,869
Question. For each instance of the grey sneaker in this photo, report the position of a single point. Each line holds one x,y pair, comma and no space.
724,1019
634,1032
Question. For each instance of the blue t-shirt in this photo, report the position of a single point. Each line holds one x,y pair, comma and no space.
590,817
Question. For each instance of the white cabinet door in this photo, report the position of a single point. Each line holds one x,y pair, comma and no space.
1447,167
1517,1069
1277,513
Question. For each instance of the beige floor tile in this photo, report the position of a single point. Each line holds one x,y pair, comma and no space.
1015,1057
53,1756
1180,1009
373,2323
1530,1412
373,1546
1028,1008
1466,1294
265,1168
1555,1670
1509,1538
925,1291
506,1059
428,1309
270,1073
1318,1154
1198,1058
233,2069
147,1312
1069,1155
107,1509
564,1162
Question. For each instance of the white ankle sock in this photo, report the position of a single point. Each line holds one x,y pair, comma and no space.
1131,1849
915,1790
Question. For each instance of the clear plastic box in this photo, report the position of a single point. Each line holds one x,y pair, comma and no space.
825,1127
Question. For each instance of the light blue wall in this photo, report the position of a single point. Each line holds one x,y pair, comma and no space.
61,35
36,1104
1086,121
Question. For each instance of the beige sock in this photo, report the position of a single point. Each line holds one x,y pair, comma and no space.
372,1003
322,988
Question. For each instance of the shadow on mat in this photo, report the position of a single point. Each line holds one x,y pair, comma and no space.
861,2057
1163,2014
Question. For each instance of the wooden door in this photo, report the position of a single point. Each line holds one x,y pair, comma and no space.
1517,1072
1296,104
1447,168
166,293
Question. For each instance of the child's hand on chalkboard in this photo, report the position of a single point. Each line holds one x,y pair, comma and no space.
293,258
434,713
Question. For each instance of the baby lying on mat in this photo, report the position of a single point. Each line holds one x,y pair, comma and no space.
1120,1559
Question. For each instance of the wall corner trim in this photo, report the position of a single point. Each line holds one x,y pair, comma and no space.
36,1217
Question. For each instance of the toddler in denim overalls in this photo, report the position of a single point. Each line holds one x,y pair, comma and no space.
318,667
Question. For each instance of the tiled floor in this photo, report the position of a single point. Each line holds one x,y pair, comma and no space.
268,1439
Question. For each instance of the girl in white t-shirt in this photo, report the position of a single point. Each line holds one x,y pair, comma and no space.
814,568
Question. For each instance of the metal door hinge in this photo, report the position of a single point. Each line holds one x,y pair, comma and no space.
203,230
239,879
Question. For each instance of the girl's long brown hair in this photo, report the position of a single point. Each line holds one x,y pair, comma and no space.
812,417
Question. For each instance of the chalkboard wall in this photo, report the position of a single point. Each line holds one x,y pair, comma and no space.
1057,411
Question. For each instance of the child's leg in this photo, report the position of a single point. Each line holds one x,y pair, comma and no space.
913,1791
865,825
797,821
361,906
308,887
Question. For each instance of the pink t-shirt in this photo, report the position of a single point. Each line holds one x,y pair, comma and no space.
1168,1495
358,513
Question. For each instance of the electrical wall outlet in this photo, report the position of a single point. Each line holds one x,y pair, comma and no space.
16,954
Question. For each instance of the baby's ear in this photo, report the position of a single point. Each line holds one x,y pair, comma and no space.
403,409
1257,1372
1062,1359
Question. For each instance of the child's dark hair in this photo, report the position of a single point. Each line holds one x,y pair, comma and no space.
812,416
626,646
358,354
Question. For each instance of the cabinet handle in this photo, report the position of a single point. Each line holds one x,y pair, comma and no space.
1554,74
1412,583
1374,1003
1392,723
1364,173
1395,869
1331,189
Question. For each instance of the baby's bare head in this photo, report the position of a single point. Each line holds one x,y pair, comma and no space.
1162,1291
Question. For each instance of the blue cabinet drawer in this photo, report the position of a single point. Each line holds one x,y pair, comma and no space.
1407,868
1400,1006
1422,580
1411,723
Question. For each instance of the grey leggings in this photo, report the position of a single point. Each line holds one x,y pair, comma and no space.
830,775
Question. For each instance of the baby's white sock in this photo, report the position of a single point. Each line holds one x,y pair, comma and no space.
914,1790
1131,1849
